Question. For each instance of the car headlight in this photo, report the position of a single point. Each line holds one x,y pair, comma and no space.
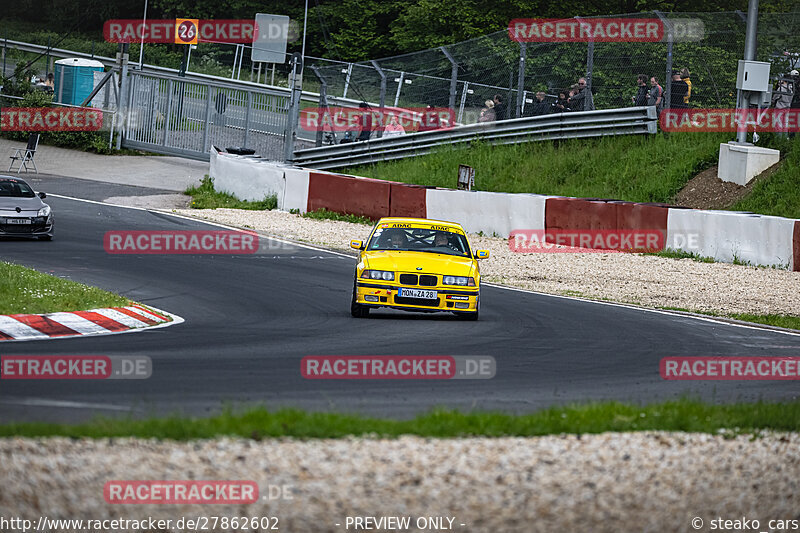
378,274
458,280
45,211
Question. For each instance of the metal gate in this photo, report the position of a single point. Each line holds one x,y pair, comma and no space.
171,115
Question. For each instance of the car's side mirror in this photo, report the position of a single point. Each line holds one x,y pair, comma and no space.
42,195
482,254
355,244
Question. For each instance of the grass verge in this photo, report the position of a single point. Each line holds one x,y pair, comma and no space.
680,254
324,214
205,196
679,415
635,168
23,290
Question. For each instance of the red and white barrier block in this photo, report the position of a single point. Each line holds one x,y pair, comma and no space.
80,323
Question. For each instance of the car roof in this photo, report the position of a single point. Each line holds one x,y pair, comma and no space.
3,177
410,220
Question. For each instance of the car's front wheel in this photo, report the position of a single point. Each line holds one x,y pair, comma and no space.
356,309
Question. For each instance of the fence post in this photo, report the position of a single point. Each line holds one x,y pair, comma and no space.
463,101
347,79
399,86
294,104
208,118
124,88
451,101
323,104
383,91
521,77
5,44
668,81
247,117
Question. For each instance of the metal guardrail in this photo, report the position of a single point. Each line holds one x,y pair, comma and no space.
574,125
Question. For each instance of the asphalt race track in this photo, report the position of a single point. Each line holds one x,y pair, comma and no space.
251,318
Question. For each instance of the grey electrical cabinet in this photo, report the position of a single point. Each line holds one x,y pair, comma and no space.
753,76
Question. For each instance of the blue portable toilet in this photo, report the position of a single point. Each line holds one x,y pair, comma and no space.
74,79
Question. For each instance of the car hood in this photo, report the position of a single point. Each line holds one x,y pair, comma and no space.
8,206
401,261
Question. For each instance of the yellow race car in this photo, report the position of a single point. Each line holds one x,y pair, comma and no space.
415,264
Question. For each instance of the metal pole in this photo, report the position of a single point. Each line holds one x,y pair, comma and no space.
294,101
750,46
323,103
521,78
463,101
123,89
668,79
451,102
141,45
383,90
5,44
241,60
347,79
235,57
272,78
399,86
247,118
303,51
47,62
208,118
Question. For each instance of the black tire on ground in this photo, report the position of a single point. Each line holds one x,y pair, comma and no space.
357,310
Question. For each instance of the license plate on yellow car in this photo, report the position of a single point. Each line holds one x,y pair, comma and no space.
418,293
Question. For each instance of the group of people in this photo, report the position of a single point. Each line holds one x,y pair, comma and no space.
494,109
364,127
680,91
577,98
46,84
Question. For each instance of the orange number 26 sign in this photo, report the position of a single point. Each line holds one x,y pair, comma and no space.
186,31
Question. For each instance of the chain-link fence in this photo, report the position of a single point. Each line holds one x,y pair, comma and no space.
464,75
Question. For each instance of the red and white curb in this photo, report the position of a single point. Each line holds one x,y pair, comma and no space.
105,321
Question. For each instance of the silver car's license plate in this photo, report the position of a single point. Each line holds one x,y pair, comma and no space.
18,220
418,293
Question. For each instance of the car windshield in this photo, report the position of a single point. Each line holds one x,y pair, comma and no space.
15,189
419,240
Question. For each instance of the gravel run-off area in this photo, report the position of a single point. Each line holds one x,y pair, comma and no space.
645,280
642,482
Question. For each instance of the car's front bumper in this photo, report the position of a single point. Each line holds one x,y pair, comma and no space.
39,227
448,299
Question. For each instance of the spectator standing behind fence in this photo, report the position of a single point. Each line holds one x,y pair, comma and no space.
500,108
364,122
679,90
488,113
540,105
656,96
561,105
641,94
393,128
686,76
583,99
